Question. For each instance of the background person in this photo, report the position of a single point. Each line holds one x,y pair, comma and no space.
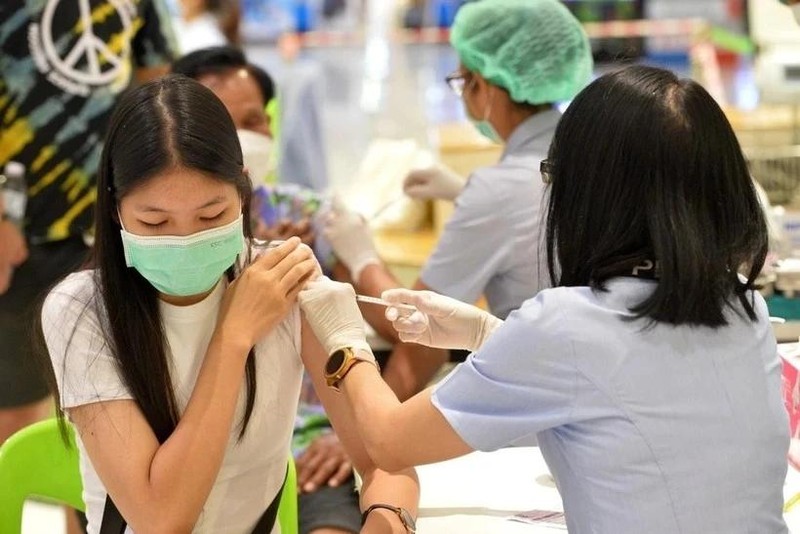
204,23
53,123
327,502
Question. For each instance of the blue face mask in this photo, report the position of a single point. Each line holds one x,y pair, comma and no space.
183,266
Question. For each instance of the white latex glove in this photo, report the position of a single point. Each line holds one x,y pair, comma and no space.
437,182
331,310
439,321
351,239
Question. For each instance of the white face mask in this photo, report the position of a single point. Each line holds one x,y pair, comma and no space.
257,154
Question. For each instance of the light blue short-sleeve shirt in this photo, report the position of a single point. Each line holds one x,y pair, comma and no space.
491,244
661,430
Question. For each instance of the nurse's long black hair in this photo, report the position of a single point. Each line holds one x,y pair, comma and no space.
645,166
172,121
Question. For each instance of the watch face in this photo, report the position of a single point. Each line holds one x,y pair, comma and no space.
334,362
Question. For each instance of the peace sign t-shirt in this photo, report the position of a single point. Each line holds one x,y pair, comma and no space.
63,65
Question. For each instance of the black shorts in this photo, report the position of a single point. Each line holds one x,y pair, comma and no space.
330,507
21,375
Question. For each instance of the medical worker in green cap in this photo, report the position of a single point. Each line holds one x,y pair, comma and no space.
518,58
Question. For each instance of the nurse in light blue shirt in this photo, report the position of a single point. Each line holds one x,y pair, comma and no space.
648,375
518,58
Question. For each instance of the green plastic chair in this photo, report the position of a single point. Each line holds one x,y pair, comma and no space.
35,463
287,508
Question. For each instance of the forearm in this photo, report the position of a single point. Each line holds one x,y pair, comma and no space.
396,489
376,412
373,281
411,367
184,468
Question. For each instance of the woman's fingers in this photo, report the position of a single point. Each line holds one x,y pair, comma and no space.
298,275
273,257
413,324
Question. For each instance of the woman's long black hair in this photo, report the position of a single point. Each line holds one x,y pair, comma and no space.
645,166
170,122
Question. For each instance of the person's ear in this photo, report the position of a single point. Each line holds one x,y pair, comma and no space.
480,91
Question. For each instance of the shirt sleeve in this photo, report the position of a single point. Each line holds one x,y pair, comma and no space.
522,380
154,44
474,246
85,369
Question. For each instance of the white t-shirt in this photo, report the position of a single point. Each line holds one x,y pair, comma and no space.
660,430
253,470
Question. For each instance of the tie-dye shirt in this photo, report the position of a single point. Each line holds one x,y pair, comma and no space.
63,64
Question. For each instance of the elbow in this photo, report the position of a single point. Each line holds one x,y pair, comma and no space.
384,454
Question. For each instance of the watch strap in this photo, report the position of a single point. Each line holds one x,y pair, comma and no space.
405,516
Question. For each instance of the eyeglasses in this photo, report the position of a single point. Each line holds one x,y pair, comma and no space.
546,169
457,82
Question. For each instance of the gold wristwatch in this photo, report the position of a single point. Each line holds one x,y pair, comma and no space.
340,363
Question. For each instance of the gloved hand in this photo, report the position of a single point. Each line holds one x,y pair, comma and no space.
331,310
351,239
437,182
439,321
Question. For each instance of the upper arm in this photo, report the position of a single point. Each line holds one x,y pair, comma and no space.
154,44
521,381
117,438
474,246
85,368
418,421
121,446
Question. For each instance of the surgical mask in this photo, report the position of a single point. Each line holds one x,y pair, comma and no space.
257,155
184,265
485,127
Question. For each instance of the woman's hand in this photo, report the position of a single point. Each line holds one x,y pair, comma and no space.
332,312
324,463
284,229
265,291
13,252
439,321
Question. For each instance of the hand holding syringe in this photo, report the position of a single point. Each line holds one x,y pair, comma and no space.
404,310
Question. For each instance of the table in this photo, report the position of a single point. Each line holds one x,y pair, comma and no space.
476,494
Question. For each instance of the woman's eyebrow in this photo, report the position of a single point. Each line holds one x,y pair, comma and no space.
156,209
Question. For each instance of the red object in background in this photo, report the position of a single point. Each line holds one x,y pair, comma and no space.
790,362
736,8
791,389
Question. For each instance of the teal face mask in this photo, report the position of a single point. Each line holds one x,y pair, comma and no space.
184,265
485,127
487,130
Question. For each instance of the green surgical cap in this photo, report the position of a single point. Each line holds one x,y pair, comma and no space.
534,49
